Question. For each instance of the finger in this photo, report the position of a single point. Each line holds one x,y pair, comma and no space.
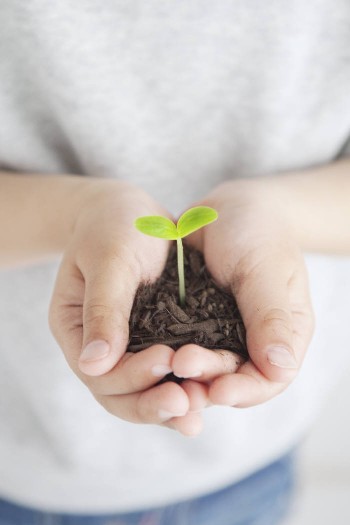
107,313
66,312
264,301
189,425
133,372
156,405
246,388
110,287
193,361
197,394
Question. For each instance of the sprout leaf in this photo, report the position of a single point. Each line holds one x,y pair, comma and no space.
189,222
157,226
194,219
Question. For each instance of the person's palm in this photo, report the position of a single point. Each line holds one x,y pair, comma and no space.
102,267
251,250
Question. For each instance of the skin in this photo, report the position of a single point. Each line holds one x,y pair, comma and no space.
255,248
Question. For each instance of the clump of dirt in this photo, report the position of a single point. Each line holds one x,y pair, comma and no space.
210,317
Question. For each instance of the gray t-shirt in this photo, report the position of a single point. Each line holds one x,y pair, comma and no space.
175,97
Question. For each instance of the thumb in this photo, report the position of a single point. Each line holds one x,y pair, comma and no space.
263,300
110,288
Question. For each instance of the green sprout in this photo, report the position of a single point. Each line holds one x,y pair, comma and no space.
189,222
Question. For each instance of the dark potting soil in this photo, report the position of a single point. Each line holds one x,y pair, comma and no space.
210,317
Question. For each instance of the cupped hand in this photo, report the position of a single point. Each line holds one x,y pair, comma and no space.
252,250
102,267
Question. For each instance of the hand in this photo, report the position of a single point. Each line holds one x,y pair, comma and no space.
102,267
251,249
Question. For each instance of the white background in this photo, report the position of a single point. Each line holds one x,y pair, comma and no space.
324,486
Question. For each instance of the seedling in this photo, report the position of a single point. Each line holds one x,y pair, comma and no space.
164,228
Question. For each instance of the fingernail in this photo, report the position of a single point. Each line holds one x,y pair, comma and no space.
160,370
164,414
280,356
94,351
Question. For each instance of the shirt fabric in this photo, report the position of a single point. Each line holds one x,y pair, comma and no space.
174,97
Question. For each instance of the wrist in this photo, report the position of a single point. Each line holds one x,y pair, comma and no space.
312,204
39,212
258,202
315,202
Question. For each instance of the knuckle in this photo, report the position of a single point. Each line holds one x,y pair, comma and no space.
54,316
95,312
280,315
278,320
100,317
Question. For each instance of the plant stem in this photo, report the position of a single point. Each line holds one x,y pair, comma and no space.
181,271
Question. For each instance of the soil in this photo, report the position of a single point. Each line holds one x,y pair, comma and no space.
210,317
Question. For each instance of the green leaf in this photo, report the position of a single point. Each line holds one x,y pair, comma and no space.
157,226
194,219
